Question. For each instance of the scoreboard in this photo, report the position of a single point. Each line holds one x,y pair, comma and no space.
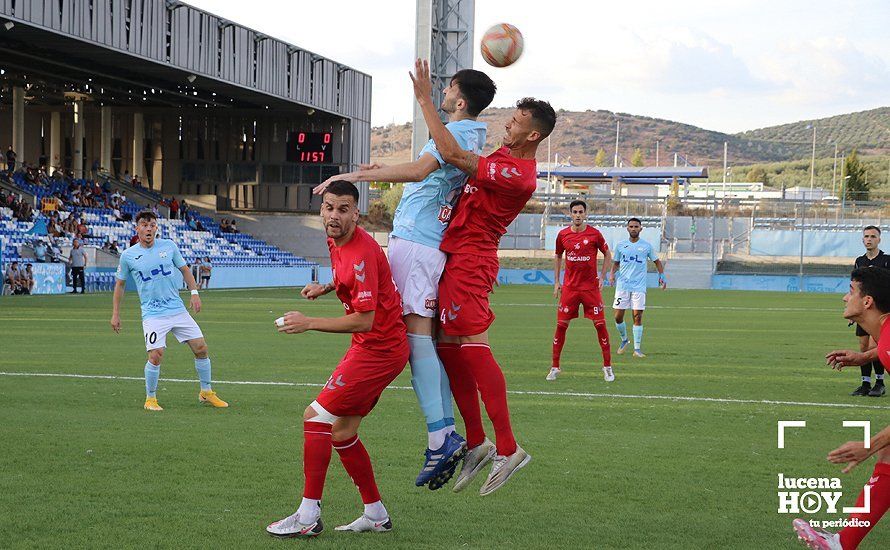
310,147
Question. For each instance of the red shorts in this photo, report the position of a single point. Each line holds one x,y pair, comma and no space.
463,294
570,299
357,382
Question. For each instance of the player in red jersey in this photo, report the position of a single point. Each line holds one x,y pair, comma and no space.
580,244
498,187
378,353
867,303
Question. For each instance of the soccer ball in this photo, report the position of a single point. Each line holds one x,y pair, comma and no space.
501,45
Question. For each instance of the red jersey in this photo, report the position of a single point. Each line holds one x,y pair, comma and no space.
884,344
491,200
580,250
363,282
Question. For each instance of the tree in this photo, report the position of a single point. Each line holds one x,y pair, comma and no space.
857,185
757,175
600,159
637,158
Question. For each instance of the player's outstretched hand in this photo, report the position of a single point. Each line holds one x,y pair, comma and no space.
294,323
850,453
116,323
312,291
423,88
196,303
840,358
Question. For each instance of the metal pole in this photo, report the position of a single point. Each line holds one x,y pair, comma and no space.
617,132
844,187
833,171
725,159
800,273
656,152
813,162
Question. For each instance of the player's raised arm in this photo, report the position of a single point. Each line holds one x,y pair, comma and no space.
451,152
398,173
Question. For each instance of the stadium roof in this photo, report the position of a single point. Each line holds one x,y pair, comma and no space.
632,173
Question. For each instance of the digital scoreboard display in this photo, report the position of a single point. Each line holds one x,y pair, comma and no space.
310,147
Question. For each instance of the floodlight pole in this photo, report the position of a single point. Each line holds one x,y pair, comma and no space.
617,132
834,171
813,161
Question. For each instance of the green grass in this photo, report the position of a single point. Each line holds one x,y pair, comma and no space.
85,466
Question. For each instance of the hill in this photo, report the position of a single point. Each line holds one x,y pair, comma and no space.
580,134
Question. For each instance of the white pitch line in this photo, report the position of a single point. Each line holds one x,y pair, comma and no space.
512,392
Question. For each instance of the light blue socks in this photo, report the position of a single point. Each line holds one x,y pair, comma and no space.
152,372
202,366
638,337
622,330
426,378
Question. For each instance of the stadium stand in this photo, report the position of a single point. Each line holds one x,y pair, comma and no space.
223,249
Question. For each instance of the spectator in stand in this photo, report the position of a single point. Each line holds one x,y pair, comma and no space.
94,169
136,182
206,268
232,227
123,197
27,278
12,277
55,252
193,225
196,271
82,230
10,160
174,208
199,226
127,177
224,226
40,251
77,261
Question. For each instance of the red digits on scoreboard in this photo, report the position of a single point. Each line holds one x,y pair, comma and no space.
301,137
327,138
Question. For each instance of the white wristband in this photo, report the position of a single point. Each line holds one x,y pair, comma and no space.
194,292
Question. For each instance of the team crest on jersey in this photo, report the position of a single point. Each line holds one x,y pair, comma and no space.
163,254
586,241
445,213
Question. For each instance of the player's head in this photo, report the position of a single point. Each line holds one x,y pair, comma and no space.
871,237
634,227
339,209
146,227
578,211
469,91
532,121
869,293
76,243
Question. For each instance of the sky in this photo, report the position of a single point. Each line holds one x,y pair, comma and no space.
728,66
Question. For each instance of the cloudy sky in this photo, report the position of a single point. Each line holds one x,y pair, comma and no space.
729,66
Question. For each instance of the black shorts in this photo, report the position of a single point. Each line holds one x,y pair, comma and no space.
207,278
860,331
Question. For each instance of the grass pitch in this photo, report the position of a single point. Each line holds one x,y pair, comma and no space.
614,465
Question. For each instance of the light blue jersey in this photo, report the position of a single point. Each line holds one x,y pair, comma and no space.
633,258
425,208
156,273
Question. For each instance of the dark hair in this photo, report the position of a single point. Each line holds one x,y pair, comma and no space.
145,215
342,188
635,220
578,203
874,282
476,88
875,227
543,115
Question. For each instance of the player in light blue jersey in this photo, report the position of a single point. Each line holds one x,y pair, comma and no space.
429,196
631,261
152,263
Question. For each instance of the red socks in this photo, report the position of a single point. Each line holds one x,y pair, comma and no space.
357,463
559,340
493,388
463,388
602,334
316,457
879,503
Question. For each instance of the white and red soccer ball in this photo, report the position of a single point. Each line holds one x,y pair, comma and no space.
501,45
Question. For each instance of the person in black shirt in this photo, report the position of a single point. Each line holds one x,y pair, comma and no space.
873,257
